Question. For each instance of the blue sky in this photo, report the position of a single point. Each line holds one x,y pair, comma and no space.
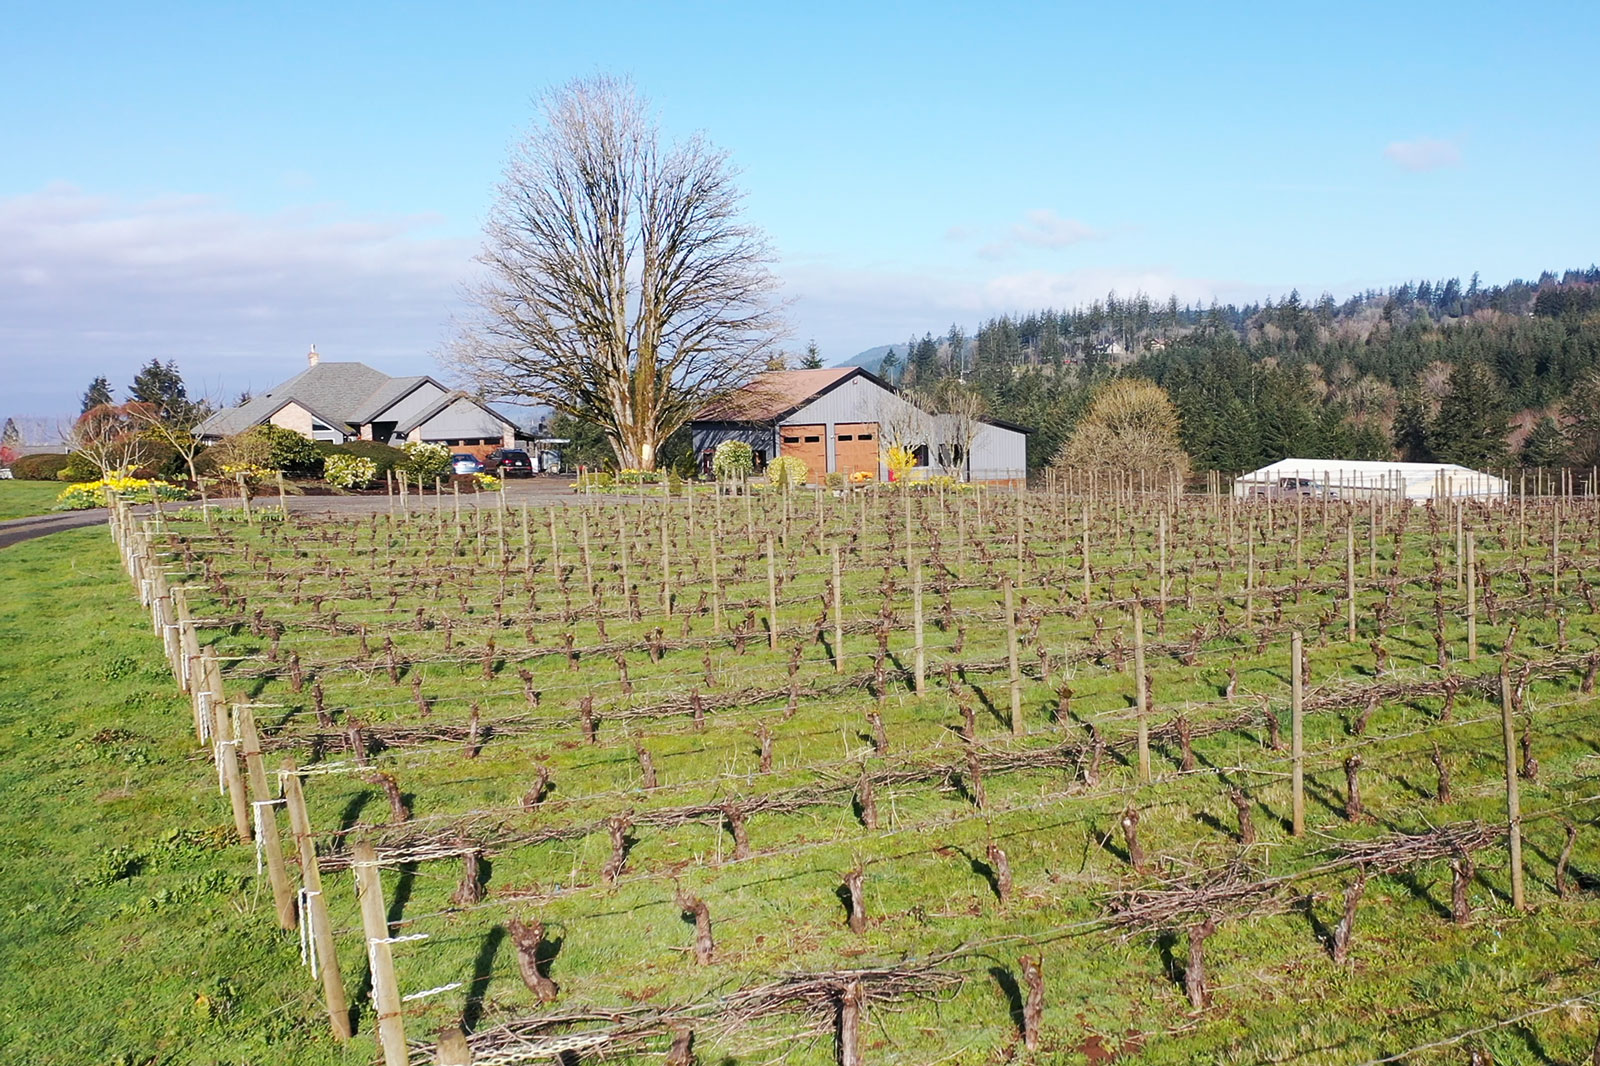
225,185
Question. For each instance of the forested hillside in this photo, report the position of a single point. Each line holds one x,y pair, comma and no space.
1481,375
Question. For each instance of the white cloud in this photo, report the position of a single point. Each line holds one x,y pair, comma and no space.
1041,228
92,285
1424,153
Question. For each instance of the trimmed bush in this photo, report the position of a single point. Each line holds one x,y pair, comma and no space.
383,456
288,451
39,467
786,471
427,462
732,460
349,471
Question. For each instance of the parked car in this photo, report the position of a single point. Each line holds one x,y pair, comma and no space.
508,462
1295,486
465,463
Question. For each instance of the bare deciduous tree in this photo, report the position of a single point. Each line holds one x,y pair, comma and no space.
109,437
622,287
958,415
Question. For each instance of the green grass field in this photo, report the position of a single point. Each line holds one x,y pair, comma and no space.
138,895
19,499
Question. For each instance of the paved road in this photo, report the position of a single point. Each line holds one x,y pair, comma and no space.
18,530
535,491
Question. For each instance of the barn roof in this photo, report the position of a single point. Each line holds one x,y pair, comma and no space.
777,392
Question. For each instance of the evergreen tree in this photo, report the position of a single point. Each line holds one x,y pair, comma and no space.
813,357
1470,428
1411,428
162,387
97,395
10,435
1546,444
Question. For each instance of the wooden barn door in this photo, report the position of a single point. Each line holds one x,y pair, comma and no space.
855,447
807,444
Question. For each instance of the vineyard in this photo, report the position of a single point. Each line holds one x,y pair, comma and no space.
901,777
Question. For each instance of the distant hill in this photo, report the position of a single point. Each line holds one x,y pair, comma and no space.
872,358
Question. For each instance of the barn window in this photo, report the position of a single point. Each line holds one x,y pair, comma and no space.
864,436
921,454
758,459
812,440
791,440
846,436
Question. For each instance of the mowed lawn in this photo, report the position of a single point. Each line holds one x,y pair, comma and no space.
18,499
131,930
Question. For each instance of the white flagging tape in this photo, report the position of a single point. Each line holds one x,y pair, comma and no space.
216,756
256,806
308,940
431,992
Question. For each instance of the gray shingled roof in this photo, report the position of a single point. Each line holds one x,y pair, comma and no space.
345,395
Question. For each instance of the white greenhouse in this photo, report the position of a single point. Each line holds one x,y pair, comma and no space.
1356,479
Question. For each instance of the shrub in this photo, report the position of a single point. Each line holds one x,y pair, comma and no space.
488,482
426,462
349,471
786,470
732,460
78,467
39,467
834,480
901,461
382,455
630,476
288,451
137,490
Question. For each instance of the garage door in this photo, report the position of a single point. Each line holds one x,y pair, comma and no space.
856,447
807,444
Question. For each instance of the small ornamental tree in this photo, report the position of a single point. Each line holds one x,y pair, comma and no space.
733,459
786,472
1131,427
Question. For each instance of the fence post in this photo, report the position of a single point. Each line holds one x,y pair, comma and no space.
1296,731
921,664
375,925
226,754
319,930
1350,577
1472,597
1012,671
266,818
1140,702
838,617
1513,802
772,596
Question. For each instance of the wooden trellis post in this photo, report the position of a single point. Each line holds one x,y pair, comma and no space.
319,929
772,596
266,818
1513,800
838,616
375,925
1140,701
1012,671
226,752
1472,597
1350,578
1297,731
921,661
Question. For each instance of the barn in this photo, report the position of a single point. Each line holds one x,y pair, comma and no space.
843,419
1358,479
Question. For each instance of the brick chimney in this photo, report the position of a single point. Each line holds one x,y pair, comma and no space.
312,358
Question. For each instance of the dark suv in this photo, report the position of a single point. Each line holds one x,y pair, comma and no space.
508,462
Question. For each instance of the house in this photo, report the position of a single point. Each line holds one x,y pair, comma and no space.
1349,479
843,420
339,402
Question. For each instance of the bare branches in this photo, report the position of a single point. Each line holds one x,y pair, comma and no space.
623,287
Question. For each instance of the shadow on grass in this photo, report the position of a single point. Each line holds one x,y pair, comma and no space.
482,973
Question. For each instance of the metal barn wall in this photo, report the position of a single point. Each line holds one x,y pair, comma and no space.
857,400
998,454
710,434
